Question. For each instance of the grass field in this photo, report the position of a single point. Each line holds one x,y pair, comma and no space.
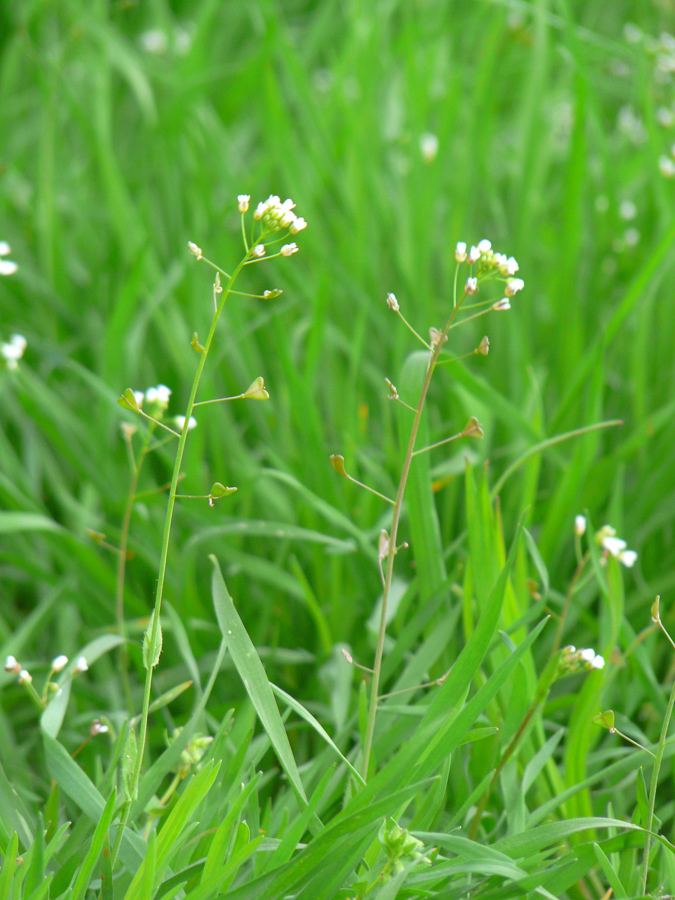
399,128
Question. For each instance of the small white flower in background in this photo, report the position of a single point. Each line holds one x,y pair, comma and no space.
392,302
11,665
289,249
631,237
474,255
243,202
298,224
627,210
59,663
665,117
7,267
666,166
139,396
80,665
194,249
97,727
154,41
511,266
159,395
513,285
428,147
460,252
484,246
632,33
259,251
25,677
180,423
587,655
579,525
597,662
14,350
471,286
616,547
501,305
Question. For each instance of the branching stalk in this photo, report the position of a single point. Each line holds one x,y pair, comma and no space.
398,504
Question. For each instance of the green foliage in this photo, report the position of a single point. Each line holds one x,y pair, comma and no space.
130,129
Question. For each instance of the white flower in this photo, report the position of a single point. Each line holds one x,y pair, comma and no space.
588,655
59,663
511,266
484,246
502,304
159,395
392,302
298,225
7,267
666,166
97,727
287,218
11,665
80,665
513,285
598,662
259,251
628,558
194,249
474,255
14,350
665,117
627,210
613,545
25,677
428,147
180,423
460,252
579,525
243,202
139,397
289,249
154,41
471,286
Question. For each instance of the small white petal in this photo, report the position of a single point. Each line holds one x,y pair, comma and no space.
59,663
460,252
579,525
7,267
613,545
598,662
588,655
4,248
484,246
628,558
81,665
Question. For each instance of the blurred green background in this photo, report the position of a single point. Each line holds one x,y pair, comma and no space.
127,129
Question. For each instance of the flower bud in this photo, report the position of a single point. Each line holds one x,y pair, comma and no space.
513,285
289,249
11,665
392,302
579,525
59,663
259,251
80,665
501,305
474,255
25,677
243,202
194,250
471,286
484,246
460,252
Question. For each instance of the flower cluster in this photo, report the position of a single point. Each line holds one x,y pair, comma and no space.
571,659
614,546
7,267
154,396
12,351
490,263
275,215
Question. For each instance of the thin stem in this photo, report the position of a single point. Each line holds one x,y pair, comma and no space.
121,570
398,504
409,326
630,740
182,438
372,490
655,780
160,423
218,400
438,443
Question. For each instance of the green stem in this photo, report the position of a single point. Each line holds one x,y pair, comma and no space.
169,519
121,569
654,784
398,504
